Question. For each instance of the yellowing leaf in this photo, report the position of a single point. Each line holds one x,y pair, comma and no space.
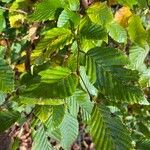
122,16
16,20
21,67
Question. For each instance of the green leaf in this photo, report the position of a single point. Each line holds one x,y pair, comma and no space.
85,82
58,83
80,100
100,13
143,3
108,132
90,68
54,39
2,97
137,56
117,32
6,77
143,144
74,5
6,1
144,129
43,112
2,21
145,77
114,81
87,44
130,3
40,140
56,118
7,118
136,31
73,106
40,101
92,31
46,10
66,16
69,131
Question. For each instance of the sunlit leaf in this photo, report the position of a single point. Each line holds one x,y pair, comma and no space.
100,13
136,31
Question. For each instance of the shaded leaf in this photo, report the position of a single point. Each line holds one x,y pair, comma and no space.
114,81
69,131
7,118
6,77
40,140
108,132
143,144
2,21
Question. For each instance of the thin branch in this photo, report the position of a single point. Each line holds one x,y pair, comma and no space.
91,97
18,11
78,52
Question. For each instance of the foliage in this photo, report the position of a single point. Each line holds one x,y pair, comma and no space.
63,63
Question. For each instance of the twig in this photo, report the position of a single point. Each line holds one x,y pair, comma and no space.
18,11
78,51
91,97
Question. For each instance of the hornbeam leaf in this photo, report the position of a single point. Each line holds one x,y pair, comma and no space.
100,13
6,77
40,140
66,16
136,31
8,118
85,83
69,131
137,56
39,101
113,80
74,5
46,10
54,39
117,32
93,31
143,144
56,83
43,112
108,132
56,118
2,21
